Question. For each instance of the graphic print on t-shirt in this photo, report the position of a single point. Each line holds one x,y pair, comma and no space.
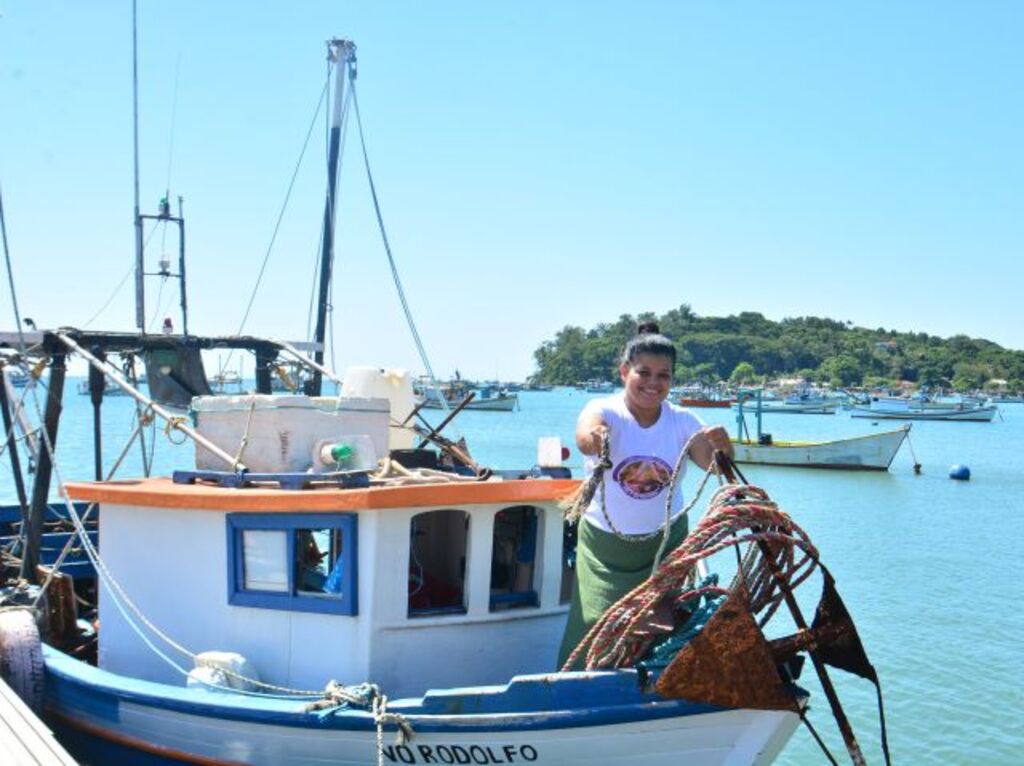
642,476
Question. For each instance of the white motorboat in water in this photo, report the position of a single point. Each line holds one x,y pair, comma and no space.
886,408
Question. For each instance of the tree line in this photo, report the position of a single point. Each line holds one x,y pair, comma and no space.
747,347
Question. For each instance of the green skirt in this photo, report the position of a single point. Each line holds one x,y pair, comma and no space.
607,568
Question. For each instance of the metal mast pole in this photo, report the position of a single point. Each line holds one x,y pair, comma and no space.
181,266
140,289
343,54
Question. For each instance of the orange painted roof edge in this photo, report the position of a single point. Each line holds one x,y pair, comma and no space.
163,493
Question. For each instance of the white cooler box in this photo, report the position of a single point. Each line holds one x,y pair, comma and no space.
284,430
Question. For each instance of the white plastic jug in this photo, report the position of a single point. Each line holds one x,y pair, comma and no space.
393,385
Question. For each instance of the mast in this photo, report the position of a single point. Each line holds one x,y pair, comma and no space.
343,54
164,214
140,290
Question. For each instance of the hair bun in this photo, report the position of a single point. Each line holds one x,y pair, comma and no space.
648,328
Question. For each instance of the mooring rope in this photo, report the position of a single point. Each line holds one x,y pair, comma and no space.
737,514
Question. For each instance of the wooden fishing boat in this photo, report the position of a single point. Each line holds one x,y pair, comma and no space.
870,452
304,602
343,580
308,564
425,572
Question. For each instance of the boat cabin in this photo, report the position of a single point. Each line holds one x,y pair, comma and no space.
410,586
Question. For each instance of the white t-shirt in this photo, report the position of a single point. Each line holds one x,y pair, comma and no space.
642,464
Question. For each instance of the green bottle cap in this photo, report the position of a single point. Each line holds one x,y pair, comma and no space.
341,453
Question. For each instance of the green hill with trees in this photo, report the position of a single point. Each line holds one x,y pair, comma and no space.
747,347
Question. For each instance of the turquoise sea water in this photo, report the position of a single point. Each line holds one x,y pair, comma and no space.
930,568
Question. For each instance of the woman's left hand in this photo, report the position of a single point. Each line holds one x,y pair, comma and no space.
717,438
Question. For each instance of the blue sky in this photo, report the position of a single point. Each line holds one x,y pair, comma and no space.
538,164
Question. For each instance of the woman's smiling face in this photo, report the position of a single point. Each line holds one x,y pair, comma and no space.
647,379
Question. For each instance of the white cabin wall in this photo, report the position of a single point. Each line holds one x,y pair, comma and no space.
411,655
173,564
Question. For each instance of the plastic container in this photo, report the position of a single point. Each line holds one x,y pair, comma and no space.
549,452
393,385
282,431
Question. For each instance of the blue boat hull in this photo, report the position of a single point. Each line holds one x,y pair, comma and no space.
593,718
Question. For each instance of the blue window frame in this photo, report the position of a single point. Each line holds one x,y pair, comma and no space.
295,562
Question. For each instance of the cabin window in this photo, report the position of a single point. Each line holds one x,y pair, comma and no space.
437,563
513,558
296,562
264,564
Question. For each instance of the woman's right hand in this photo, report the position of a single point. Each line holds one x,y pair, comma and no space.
598,435
591,432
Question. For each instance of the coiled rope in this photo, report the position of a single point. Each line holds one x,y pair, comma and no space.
737,514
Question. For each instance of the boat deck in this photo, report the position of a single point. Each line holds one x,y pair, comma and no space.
24,739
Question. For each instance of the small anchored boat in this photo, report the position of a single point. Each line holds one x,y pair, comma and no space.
456,393
701,398
804,402
886,408
870,452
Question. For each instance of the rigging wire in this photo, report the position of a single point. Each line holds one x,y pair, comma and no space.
280,217
343,134
174,123
330,328
387,248
94,317
117,290
312,283
170,160
10,275
328,68
157,308
328,221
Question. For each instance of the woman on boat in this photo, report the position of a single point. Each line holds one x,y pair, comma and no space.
618,535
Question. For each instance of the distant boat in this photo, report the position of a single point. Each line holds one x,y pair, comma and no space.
699,397
595,386
684,401
801,403
226,382
883,408
485,398
16,376
110,388
1007,399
